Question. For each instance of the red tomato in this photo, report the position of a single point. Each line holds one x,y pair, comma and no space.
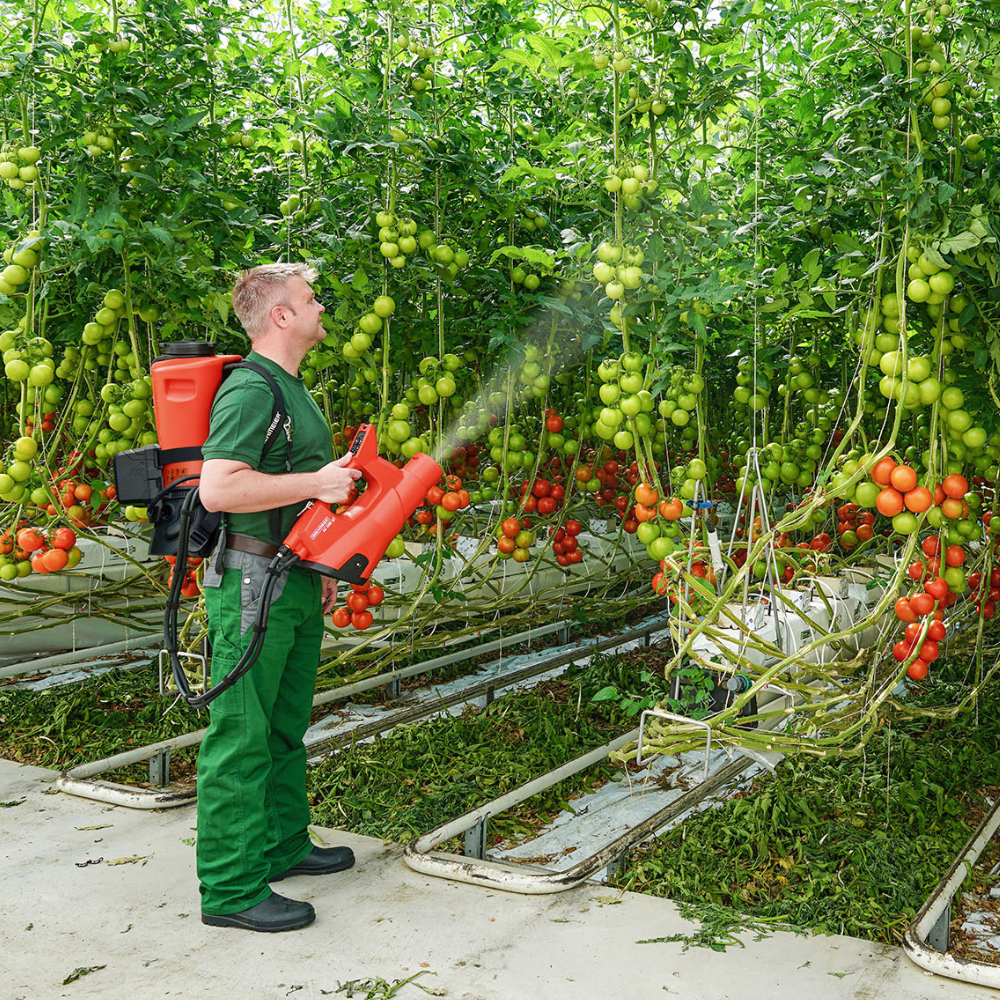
916,570
901,650
573,527
554,424
375,595
361,619
63,538
30,539
918,500
510,526
955,486
954,555
937,588
921,604
903,478
917,670
929,651
936,631
904,612
356,602
882,471
56,559
931,545
889,502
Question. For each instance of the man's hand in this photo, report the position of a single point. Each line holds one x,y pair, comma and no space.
329,594
334,482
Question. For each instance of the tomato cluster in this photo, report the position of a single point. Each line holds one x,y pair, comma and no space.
516,538
853,526
442,503
190,586
565,544
668,581
355,611
30,551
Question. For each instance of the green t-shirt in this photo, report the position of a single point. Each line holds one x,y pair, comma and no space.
238,424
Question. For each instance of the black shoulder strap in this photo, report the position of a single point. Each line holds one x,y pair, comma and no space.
280,421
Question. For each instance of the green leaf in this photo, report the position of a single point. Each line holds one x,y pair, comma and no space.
547,49
80,202
531,254
945,192
359,279
606,693
810,263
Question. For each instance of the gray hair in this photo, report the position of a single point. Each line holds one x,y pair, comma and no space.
258,290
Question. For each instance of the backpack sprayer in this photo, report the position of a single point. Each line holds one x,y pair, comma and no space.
164,477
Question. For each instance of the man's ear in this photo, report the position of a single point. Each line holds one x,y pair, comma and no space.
278,315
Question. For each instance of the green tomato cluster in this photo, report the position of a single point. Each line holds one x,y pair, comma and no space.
27,359
532,220
20,258
298,206
626,402
19,166
629,182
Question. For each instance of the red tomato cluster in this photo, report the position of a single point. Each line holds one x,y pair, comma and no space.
668,583
445,500
931,601
190,586
900,491
465,460
565,544
47,427
359,600
853,526
985,597
543,496
921,651
33,552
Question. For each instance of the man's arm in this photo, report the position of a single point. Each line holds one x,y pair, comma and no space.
237,488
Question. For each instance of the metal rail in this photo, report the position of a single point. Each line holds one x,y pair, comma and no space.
936,910
84,781
419,856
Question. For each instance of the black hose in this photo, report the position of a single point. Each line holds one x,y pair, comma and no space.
281,562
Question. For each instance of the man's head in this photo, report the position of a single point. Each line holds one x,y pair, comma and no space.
277,298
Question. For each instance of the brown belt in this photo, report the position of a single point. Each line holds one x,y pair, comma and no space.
247,543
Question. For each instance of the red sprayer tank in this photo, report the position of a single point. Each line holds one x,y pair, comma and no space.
185,378
348,546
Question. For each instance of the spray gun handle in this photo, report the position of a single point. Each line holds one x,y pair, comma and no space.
364,448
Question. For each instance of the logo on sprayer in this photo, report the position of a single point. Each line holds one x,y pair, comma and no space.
322,527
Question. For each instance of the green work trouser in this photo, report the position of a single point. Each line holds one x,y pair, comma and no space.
253,814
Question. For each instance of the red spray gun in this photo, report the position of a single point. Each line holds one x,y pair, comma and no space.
348,546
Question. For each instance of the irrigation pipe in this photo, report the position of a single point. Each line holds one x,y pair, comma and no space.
915,939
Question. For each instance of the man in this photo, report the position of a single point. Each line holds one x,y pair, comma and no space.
253,813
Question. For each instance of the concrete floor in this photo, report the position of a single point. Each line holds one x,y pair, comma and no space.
139,920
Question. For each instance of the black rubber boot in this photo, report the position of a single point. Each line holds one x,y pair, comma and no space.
276,913
319,861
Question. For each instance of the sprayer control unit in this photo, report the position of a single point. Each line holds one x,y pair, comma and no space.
345,546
